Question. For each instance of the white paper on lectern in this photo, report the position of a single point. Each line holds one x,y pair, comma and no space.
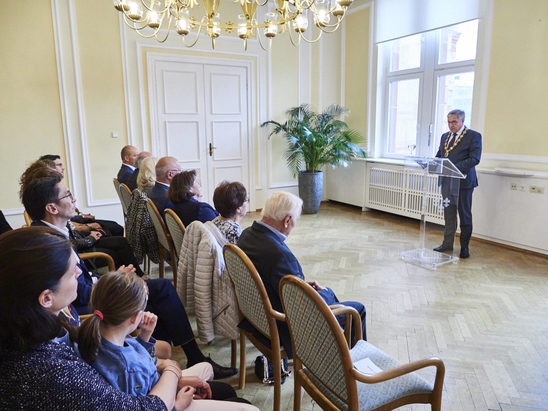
367,367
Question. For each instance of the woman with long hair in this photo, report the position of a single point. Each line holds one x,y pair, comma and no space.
39,368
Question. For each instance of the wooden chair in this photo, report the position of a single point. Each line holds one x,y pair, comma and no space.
176,229
27,219
98,254
254,305
164,240
323,362
125,198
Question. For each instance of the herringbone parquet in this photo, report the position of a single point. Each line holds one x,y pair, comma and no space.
486,317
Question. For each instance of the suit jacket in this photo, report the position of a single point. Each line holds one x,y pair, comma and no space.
124,173
158,195
132,180
194,210
465,155
271,257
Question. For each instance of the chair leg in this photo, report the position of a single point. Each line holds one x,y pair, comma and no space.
161,271
241,383
296,388
276,362
233,349
174,269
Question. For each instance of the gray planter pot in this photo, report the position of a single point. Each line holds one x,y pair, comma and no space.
310,190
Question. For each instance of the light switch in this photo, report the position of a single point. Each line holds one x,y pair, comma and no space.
114,134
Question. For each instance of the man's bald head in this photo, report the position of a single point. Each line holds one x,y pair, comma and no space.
166,169
129,155
142,155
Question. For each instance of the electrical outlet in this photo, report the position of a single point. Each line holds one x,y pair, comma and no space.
513,186
536,189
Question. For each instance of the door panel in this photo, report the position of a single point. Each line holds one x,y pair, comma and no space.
200,116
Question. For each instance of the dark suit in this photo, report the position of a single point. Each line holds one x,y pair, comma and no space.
132,180
273,260
465,155
173,324
4,225
158,195
124,173
194,210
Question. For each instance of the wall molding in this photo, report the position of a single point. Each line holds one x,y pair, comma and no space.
518,158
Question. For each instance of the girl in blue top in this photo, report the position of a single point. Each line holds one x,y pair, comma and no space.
118,301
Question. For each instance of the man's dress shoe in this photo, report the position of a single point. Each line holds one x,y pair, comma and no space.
443,248
464,253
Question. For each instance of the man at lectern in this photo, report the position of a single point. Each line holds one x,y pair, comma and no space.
463,147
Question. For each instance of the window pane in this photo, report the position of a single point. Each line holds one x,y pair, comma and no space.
403,109
406,53
454,91
458,42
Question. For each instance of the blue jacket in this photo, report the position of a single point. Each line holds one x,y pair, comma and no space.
124,174
192,210
158,195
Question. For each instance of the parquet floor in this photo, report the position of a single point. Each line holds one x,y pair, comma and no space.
486,317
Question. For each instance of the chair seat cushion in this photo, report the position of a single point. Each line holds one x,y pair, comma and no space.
372,396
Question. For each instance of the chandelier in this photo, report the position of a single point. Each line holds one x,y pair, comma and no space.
302,19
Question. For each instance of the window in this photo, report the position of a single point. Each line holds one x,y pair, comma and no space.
421,78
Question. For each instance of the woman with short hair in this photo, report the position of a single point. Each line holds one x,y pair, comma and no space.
184,193
231,202
39,368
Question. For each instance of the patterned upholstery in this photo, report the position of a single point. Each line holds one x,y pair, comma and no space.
125,197
176,229
158,224
247,293
139,229
327,362
315,342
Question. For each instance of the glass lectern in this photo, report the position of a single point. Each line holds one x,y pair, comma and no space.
449,178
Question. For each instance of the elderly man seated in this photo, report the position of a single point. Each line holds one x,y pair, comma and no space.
263,243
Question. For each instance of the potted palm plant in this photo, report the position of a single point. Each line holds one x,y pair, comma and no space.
315,140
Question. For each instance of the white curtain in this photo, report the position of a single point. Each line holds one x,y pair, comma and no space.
400,18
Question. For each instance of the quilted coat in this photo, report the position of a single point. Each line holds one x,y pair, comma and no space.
203,283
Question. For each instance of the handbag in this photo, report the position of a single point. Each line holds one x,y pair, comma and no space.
264,370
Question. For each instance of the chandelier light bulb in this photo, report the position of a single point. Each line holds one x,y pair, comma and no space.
135,12
322,18
338,10
121,5
153,19
301,23
344,3
272,28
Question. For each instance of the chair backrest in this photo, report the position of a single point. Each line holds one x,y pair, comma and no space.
176,229
164,239
27,218
125,197
253,301
317,338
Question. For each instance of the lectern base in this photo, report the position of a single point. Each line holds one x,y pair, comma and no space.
428,258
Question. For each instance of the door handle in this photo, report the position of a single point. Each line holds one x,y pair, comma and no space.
211,148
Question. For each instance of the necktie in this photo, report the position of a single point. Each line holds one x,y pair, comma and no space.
451,140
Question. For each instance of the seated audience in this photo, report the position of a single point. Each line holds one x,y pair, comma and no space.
132,180
166,169
264,244
118,301
4,225
57,162
231,202
129,155
147,175
39,368
184,192
49,202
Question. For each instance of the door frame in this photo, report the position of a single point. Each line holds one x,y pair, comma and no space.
253,116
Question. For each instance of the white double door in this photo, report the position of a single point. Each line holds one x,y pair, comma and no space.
199,113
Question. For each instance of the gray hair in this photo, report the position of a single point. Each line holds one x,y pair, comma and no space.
456,112
280,204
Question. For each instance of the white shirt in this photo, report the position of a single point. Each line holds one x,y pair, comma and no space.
63,230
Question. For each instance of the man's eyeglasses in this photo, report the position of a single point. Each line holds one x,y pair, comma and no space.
69,194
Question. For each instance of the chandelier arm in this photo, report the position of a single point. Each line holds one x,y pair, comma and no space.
195,40
261,42
295,44
333,27
132,24
167,31
152,9
302,36
259,3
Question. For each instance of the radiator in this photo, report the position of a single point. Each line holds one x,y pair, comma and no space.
399,190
